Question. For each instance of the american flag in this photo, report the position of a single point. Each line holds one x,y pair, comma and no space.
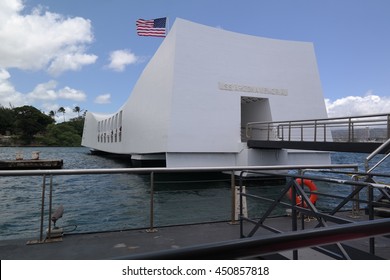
151,27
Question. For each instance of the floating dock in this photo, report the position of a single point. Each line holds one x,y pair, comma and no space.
19,163
31,164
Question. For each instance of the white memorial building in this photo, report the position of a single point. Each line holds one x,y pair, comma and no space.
200,88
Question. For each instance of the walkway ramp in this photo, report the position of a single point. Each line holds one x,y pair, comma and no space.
352,147
361,134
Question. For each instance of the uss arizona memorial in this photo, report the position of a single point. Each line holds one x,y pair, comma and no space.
202,86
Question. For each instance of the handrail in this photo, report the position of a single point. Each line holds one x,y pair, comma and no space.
309,209
312,127
378,150
257,246
294,243
166,169
382,147
328,119
151,171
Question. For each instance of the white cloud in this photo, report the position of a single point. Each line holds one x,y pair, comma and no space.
9,7
42,40
4,75
48,91
357,105
103,99
70,62
120,58
8,93
44,92
72,94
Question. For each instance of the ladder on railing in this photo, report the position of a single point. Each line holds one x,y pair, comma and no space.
382,203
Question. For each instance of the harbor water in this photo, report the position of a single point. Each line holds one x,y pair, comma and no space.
110,202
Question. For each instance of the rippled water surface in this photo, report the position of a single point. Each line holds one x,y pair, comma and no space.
120,201
104,202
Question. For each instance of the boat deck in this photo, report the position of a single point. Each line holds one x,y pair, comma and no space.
131,243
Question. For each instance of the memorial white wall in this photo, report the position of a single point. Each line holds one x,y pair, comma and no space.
201,87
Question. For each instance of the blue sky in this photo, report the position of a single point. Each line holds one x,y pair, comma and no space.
87,53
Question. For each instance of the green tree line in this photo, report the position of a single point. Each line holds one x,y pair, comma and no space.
27,125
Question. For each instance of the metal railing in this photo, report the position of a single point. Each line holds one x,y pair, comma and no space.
385,194
49,183
260,246
330,229
384,147
306,208
344,129
291,239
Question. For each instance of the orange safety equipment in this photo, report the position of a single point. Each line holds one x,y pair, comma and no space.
312,187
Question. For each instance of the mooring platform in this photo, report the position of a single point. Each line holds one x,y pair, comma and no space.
31,164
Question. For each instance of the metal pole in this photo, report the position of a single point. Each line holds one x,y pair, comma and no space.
42,208
371,216
241,212
50,205
268,131
388,126
294,216
356,202
302,205
151,226
325,133
233,190
349,130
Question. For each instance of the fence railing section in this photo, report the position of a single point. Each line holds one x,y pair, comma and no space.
384,148
53,186
368,128
305,208
302,204
265,245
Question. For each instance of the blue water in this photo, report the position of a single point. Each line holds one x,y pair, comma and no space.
104,202
120,201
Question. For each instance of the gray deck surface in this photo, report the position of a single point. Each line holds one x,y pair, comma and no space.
116,244
111,245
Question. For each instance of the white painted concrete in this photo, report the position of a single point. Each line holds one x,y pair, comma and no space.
201,86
